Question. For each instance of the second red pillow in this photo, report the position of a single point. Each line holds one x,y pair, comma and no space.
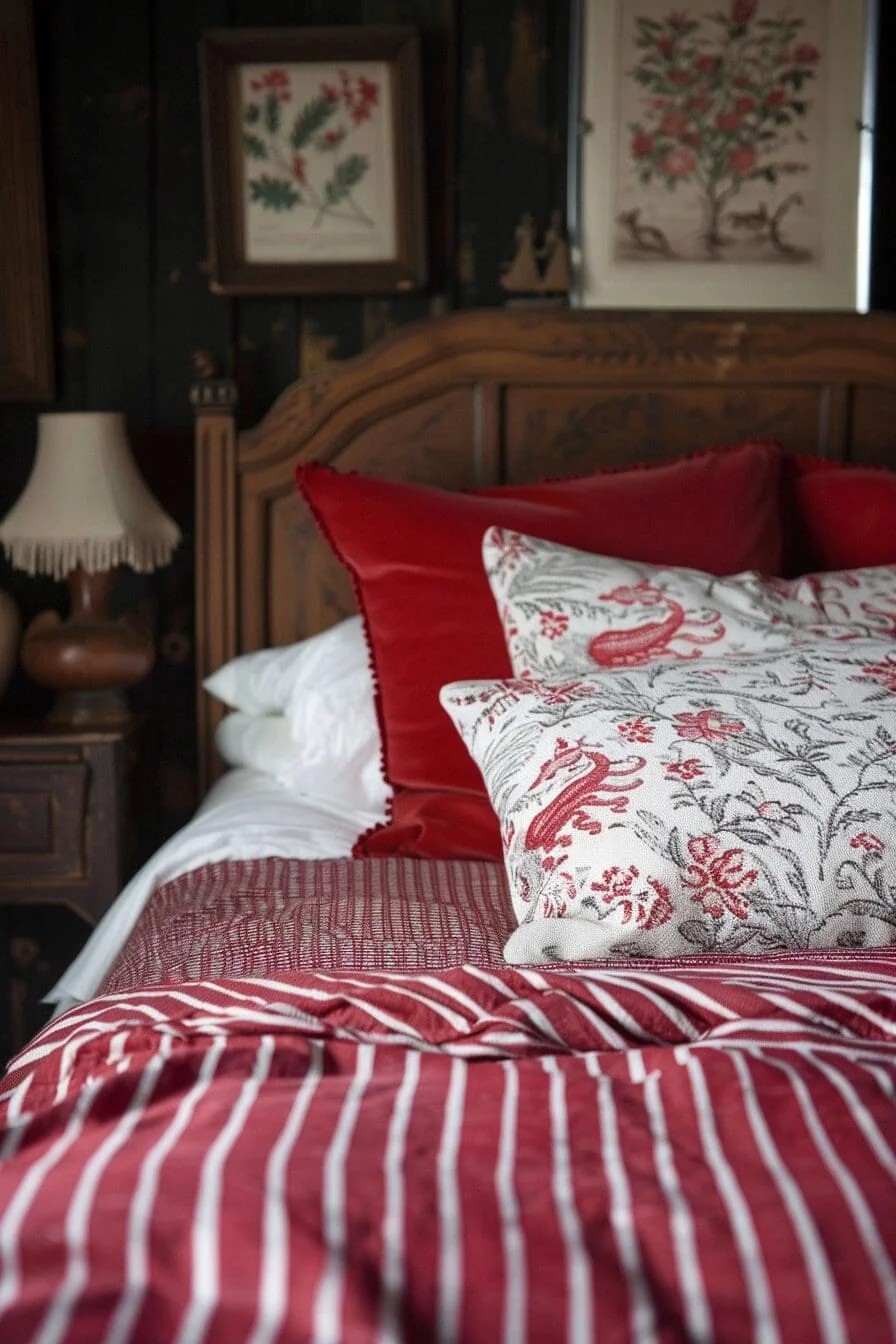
415,555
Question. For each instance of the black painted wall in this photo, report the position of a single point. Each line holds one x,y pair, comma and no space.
132,307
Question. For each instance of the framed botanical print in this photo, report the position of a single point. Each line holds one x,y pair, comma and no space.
312,146
723,153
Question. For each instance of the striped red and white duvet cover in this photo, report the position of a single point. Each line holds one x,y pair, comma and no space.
702,1151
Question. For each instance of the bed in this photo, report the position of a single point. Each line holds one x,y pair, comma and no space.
446,1061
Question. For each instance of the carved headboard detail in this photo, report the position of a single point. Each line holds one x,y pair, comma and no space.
485,397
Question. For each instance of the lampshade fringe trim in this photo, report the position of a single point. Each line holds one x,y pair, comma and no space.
59,558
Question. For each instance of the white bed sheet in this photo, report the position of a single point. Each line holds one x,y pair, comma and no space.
245,815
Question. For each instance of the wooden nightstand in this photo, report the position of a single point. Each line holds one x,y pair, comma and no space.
65,853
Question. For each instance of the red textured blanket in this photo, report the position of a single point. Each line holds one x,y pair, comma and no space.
686,1152
266,916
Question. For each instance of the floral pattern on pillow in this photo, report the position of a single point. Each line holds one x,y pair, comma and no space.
565,610
859,601
731,805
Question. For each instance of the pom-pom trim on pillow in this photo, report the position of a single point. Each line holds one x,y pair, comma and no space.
414,556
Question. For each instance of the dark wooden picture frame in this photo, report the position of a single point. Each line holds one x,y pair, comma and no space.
26,349
283,170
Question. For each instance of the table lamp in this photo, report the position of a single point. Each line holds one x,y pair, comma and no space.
84,511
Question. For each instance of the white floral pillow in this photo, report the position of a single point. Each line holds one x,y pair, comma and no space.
859,601
739,805
565,610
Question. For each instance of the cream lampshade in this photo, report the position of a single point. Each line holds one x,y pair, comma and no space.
84,511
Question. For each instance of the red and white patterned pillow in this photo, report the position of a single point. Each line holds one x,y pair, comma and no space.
565,610
740,805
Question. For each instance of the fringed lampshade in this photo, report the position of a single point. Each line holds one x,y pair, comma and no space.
84,511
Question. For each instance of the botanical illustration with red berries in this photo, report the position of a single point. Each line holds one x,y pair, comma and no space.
310,142
720,114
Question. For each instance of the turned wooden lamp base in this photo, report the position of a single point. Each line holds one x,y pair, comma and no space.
89,659
90,709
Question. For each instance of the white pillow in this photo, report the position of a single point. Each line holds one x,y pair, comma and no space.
729,805
565,610
268,681
261,741
305,715
345,772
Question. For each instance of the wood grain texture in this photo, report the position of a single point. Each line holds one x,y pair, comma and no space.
26,354
64,816
495,396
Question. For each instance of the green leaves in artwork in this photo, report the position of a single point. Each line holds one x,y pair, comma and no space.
301,149
347,175
272,114
272,193
255,147
723,108
312,117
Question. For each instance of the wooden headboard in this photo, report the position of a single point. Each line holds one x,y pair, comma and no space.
491,396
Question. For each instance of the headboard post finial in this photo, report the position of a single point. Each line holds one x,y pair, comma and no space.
214,402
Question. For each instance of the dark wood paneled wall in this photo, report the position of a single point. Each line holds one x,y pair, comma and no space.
131,302
132,307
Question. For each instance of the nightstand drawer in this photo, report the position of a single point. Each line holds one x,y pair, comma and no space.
64,816
42,810
64,855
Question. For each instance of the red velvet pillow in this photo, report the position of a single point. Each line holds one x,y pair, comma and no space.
428,824
415,554
839,516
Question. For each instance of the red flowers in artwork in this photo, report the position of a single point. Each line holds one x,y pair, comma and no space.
717,878
807,54
368,96
720,99
292,154
742,160
675,123
679,163
359,96
275,82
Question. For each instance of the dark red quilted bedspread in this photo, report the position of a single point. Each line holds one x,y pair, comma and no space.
272,915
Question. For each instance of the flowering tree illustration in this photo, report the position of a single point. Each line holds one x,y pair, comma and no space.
300,161
723,99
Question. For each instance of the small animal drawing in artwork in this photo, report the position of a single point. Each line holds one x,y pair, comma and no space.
644,237
768,224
